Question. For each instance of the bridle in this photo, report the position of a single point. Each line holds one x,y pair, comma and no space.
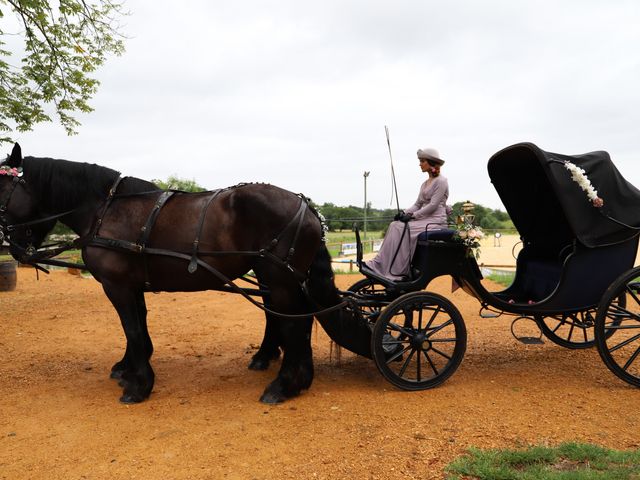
7,228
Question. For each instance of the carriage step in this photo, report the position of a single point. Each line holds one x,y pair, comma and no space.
524,336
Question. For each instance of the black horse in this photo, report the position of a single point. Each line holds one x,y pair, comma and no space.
136,238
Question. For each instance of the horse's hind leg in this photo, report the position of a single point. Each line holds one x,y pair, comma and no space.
296,372
270,347
136,374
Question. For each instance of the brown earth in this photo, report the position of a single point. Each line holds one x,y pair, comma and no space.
60,416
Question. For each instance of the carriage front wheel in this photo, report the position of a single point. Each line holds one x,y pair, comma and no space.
617,327
418,340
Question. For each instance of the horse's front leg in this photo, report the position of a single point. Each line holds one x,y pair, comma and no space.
134,370
119,368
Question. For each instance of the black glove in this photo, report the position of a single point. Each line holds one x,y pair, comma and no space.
406,217
399,215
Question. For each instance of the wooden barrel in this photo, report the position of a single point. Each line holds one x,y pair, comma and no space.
7,276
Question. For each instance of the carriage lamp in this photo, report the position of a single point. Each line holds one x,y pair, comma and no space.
467,209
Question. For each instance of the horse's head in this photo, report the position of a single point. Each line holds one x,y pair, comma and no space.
19,212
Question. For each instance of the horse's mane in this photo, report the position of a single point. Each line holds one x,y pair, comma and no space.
62,185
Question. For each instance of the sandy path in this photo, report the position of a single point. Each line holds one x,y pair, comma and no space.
60,418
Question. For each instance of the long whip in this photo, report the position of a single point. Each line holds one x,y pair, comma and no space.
394,187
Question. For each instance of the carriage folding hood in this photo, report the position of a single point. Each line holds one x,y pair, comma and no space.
550,209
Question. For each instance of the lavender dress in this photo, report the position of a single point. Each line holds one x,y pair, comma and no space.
429,212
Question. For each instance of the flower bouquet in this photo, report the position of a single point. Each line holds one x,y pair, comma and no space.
469,235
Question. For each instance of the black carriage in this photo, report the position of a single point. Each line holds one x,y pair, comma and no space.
573,250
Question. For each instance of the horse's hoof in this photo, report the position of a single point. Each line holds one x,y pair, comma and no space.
258,364
271,398
129,399
261,361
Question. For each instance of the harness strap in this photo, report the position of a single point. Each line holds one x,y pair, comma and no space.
105,206
227,281
145,231
193,263
300,216
277,239
16,226
114,244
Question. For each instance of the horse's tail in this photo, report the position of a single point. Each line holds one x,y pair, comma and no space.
344,326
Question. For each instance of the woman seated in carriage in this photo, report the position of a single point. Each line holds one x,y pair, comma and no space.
429,212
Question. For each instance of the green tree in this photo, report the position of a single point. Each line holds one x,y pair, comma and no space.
176,183
64,43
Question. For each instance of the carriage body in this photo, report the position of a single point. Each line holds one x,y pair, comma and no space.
572,253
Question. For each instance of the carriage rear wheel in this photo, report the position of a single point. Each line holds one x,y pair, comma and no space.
617,327
572,330
419,340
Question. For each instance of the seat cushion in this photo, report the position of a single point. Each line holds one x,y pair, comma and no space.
443,235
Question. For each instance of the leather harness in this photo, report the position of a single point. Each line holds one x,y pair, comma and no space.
44,254
194,260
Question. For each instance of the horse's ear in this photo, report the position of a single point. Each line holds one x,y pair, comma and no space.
15,159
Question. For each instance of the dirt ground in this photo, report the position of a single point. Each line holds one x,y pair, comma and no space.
60,416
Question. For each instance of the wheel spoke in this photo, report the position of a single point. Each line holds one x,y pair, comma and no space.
406,363
571,331
561,323
433,367
621,311
418,364
396,355
631,359
433,317
398,341
621,327
420,320
398,328
441,353
633,294
625,343
438,328
442,340
584,330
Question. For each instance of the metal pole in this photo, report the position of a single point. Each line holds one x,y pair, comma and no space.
366,174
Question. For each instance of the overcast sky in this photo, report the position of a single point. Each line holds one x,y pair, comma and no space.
297,93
